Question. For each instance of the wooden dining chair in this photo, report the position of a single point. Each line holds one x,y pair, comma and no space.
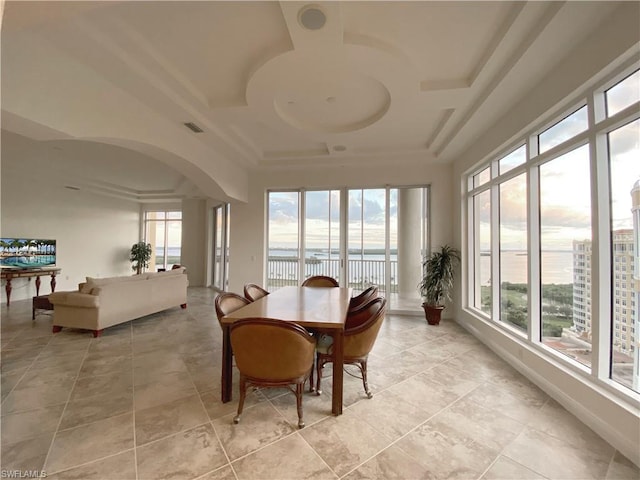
228,302
320,281
253,292
363,298
272,353
361,330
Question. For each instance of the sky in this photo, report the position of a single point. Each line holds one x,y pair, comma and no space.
366,218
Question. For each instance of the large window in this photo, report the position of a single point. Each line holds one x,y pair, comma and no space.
360,237
564,236
283,256
565,253
624,151
163,230
513,252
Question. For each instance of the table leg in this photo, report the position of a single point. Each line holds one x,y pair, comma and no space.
37,285
338,364
227,365
53,282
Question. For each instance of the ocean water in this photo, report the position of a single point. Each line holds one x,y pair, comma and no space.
557,267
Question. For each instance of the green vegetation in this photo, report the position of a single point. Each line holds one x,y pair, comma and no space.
557,306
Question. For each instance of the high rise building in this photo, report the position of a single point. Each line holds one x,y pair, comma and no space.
582,288
635,305
625,290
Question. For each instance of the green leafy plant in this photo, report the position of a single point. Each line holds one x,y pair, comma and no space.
139,256
438,274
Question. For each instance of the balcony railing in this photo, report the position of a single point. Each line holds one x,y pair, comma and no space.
283,271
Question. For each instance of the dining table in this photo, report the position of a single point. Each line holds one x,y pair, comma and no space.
318,309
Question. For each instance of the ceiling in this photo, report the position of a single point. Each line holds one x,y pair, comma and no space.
274,84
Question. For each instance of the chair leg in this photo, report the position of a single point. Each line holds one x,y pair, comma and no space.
363,369
243,394
319,366
299,393
311,385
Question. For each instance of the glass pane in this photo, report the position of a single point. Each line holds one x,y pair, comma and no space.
218,245
393,247
623,94
515,158
284,253
513,252
322,234
227,232
565,257
174,242
366,238
482,251
155,236
174,215
483,177
624,151
563,130
155,216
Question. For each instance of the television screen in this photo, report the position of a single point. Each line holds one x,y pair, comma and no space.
27,253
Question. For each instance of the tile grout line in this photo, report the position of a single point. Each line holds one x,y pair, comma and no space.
66,405
27,369
394,442
133,402
224,450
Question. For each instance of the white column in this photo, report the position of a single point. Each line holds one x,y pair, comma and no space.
410,226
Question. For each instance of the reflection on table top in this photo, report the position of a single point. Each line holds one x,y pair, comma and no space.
320,307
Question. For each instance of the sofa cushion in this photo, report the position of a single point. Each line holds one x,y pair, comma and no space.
168,273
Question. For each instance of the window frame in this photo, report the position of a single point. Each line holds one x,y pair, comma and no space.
602,255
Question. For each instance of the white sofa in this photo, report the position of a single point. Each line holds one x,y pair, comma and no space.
102,302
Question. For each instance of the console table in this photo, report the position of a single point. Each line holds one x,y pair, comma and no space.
10,274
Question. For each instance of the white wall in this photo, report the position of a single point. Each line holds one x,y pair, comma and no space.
248,227
611,416
193,253
93,233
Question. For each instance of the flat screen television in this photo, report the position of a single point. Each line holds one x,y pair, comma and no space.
21,253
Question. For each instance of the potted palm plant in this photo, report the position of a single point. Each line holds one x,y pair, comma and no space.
437,281
139,256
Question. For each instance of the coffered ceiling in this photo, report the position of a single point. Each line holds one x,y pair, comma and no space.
277,84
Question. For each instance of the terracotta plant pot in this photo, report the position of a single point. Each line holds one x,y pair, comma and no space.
433,313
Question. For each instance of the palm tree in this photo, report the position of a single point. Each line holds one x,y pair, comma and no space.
16,244
32,244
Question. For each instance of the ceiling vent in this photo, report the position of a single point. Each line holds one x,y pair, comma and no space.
311,17
193,127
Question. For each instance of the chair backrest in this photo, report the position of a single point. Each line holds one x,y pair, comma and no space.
271,350
320,281
253,292
227,302
363,298
362,327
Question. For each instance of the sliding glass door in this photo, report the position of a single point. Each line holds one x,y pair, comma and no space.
387,241
360,237
221,247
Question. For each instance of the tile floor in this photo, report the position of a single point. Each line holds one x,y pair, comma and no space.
142,402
